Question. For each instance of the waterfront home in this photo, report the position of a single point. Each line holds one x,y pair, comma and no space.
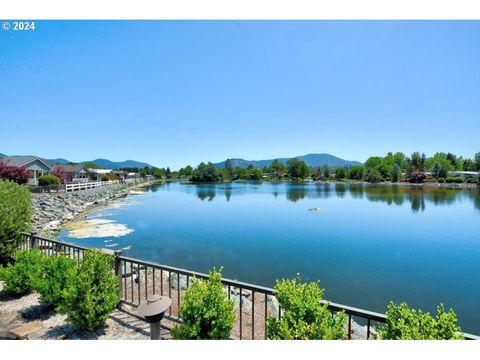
35,166
120,174
132,177
98,173
465,174
73,173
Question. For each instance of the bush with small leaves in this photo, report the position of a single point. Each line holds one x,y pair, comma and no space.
404,323
20,277
57,273
47,180
15,216
91,295
304,317
454,180
206,311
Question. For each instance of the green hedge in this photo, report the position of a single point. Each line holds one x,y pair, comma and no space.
47,180
15,216
454,180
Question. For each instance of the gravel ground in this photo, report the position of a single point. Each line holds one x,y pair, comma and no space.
123,324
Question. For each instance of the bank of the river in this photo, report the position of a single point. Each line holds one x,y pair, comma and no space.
355,182
52,210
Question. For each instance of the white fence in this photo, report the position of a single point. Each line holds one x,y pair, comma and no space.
89,185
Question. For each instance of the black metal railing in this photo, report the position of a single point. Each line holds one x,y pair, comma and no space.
254,304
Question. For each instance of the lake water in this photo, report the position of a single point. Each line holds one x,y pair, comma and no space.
366,244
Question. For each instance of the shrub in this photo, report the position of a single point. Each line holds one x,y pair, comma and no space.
205,311
404,323
373,175
417,177
20,278
15,217
105,178
441,180
304,316
46,180
57,273
20,175
454,180
92,293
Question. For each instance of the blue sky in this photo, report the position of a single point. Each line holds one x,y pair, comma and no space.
173,93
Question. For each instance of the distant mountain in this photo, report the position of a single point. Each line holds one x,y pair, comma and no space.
59,161
108,164
103,163
312,160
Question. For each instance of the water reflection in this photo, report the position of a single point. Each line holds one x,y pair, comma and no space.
206,194
418,197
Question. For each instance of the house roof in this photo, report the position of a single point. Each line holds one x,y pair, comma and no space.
70,167
100,171
19,161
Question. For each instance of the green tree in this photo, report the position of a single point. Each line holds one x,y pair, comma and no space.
373,175
453,160
277,168
229,168
297,169
373,162
93,293
188,170
204,173
158,173
396,173
255,174
404,323
15,216
326,171
240,173
356,172
468,165
439,170
304,317
340,173
477,161
205,310
416,163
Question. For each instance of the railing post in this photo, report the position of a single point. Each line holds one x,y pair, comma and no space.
33,240
118,271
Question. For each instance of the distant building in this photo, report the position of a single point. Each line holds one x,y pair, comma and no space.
74,173
132,177
466,174
35,166
120,174
98,173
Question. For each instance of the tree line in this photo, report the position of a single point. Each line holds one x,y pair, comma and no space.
394,167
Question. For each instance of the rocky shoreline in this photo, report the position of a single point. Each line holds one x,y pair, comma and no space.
52,210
